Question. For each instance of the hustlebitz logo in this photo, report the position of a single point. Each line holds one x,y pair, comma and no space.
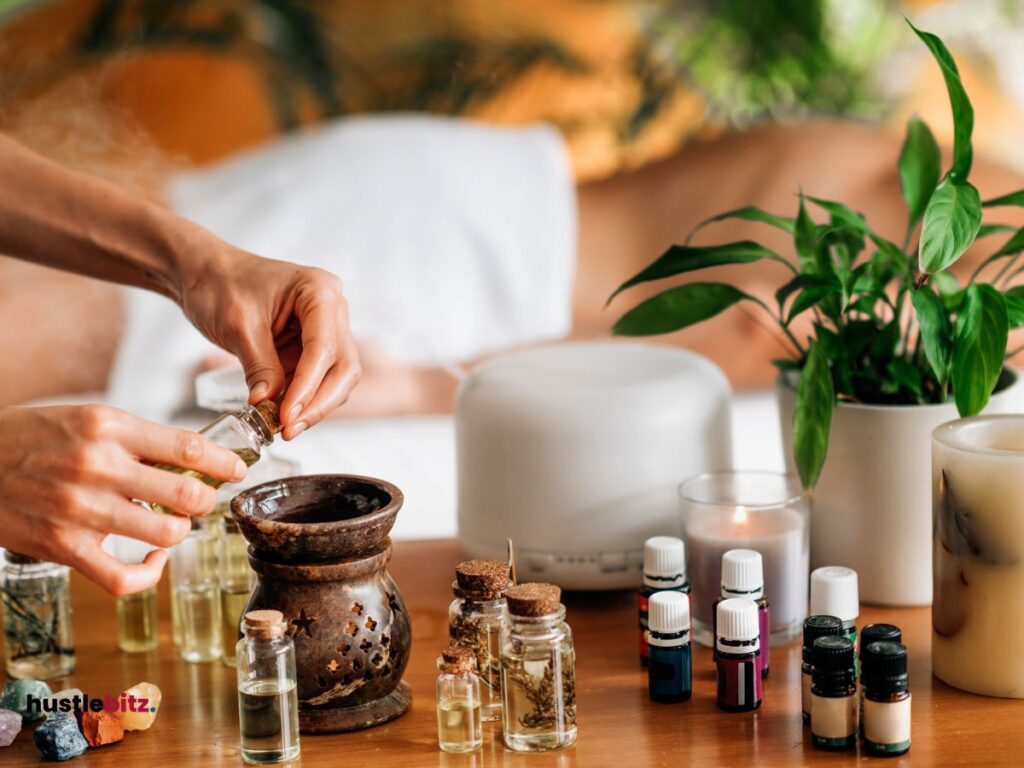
126,702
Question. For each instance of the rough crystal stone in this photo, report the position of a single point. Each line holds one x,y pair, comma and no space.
140,721
101,728
68,694
59,738
10,726
16,696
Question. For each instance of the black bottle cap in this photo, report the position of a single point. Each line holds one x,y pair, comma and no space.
887,672
880,633
819,626
833,662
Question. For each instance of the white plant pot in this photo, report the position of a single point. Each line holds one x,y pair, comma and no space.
872,508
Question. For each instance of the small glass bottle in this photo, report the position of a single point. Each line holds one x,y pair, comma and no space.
814,627
834,593
268,705
195,592
538,671
459,723
475,619
246,432
834,694
236,580
873,633
137,621
38,639
737,655
664,569
670,667
743,576
886,699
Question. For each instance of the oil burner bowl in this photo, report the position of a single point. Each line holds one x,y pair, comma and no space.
319,545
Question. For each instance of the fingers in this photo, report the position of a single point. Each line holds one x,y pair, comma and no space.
134,520
117,577
184,494
263,371
181,448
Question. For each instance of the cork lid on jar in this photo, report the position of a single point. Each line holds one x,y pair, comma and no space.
533,599
265,624
481,579
457,660
268,411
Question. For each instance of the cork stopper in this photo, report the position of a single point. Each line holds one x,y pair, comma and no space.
457,660
481,579
533,599
265,624
267,409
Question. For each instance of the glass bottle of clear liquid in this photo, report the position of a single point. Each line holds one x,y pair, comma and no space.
268,705
38,639
459,726
195,594
538,671
236,580
475,619
137,621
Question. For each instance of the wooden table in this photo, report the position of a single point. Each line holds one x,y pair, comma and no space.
618,725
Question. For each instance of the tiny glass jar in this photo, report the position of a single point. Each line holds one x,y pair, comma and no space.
268,704
38,639
538,671
137,621
235,580
762,511
475,619
195,594
459,721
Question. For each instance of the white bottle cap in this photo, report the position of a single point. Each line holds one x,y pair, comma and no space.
834,593
742,574
738,623
664,562
668,613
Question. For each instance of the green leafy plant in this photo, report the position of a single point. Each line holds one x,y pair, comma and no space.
891,325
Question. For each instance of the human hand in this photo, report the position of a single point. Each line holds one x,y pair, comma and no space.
67,477
287,324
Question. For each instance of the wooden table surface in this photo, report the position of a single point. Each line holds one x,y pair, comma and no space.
618,726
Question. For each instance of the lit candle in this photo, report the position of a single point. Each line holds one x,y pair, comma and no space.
762,511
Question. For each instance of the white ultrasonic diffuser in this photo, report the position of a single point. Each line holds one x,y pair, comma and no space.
575,452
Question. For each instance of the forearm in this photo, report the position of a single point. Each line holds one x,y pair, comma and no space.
75,222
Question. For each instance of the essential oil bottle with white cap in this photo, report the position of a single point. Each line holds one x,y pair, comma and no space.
743,576
670,671
886,716
738,652
664,570
833,694
834,593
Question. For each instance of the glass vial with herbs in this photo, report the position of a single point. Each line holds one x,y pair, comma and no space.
743,576
245,432
38,639
235,580
885,682
814,627
737,655
670,667
834,705
664,569
538,671
459,723
195,592
475,619
137,622
268,704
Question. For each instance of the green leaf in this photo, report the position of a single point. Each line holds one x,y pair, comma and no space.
993,229
805,239
682,258
748,213
979,346
1015,306
812,419
903,373
803,281
1014,245
811,296
1014,198
963,112
843,215
919,168
936,331
951,223
946,283
678,308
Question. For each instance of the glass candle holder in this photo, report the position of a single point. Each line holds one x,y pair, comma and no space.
978,554
763,511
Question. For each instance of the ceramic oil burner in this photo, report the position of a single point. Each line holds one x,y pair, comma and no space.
319,545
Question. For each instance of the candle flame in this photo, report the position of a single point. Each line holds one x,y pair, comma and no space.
740,515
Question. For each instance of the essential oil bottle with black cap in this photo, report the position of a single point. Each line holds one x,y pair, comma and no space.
814,627
873,633
886,699
833,694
